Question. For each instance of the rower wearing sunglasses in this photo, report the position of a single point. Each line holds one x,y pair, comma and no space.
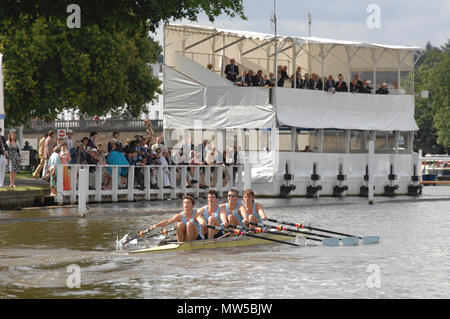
231,209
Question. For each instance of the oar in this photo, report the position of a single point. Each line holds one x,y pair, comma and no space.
245,233
327,241
350,240
259,230
133,240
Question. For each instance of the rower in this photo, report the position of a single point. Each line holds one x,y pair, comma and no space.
231,208
187,227
251,211
211,214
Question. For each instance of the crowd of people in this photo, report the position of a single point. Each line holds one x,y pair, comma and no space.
299,81
138,152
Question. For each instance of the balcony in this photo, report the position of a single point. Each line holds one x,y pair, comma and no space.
107,125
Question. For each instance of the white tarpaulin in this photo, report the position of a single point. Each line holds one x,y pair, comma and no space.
317,109
199,72
216,107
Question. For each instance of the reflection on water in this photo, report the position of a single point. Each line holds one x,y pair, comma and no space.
38,246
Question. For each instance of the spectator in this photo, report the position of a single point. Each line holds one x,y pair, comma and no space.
91,141
13,157
65,159
341,85
366,87
40,156
115,139
69,139
383,89
356,86
318,85
118,158
166,172
48,147
241,80
330,84
3,154
27,146
308,83
75,153
53,161
232,71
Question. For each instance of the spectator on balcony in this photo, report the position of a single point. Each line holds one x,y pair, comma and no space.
366,87
232,71
330,84
258,79
318,85
341,85
356,86
240,81
298,82
383,89
308,83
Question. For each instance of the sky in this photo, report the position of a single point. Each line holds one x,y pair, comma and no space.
401,22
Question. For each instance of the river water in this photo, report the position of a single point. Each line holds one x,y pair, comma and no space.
51,253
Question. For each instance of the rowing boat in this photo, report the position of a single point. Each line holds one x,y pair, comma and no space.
236,241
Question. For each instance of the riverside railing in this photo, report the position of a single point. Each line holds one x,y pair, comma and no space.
105,183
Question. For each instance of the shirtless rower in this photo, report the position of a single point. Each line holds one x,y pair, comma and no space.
250,210
232,209
187,227
211,214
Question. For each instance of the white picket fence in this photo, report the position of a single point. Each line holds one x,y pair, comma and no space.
95,191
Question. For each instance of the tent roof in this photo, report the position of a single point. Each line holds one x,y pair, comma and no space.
300,40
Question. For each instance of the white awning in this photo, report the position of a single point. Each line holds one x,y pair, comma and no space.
318,109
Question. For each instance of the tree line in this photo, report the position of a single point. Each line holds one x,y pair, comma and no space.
432,113
102,67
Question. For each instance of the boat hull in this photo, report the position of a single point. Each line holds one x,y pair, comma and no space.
240,241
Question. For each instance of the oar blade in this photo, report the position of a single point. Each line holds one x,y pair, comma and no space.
133,242
371,239
350,241
333,242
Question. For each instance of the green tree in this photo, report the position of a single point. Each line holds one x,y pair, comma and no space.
102,67
433,113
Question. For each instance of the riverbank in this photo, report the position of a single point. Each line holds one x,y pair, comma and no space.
30,192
